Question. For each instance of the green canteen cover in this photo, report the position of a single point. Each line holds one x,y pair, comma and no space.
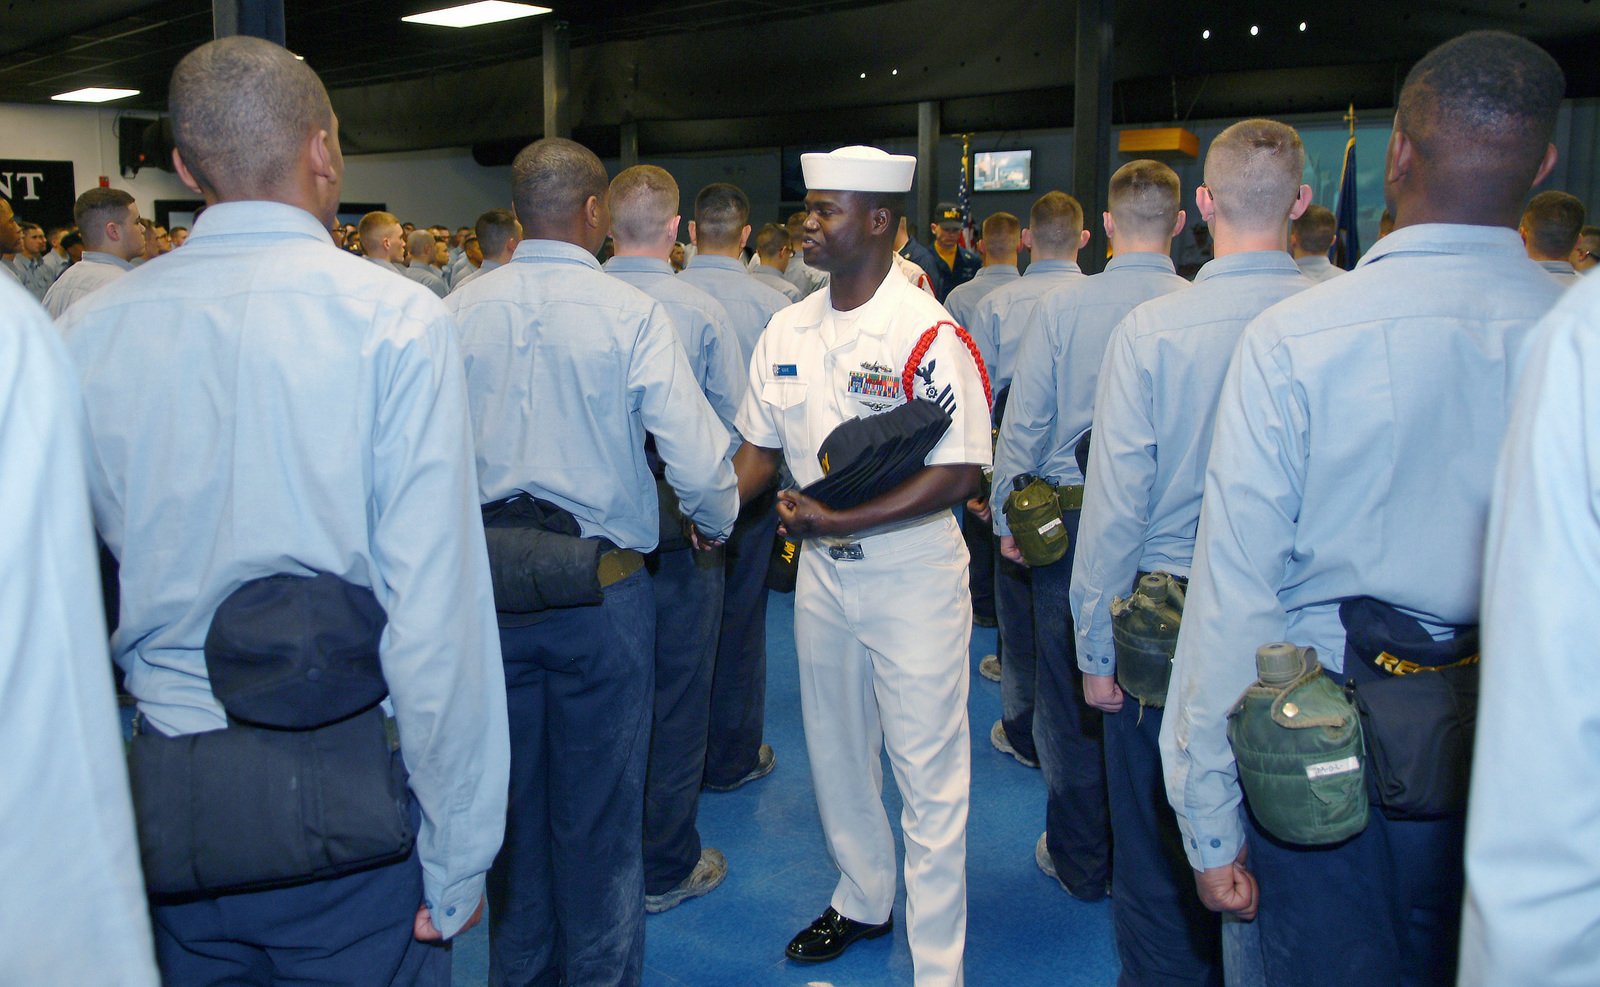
1144,632
1034,513
1300,758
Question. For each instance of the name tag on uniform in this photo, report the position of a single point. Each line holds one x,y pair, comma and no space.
785,370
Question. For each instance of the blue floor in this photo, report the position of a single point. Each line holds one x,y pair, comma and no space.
1022,929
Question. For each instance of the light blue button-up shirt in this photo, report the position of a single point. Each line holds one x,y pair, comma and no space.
33,275
702,324
1533,830
962,302
75,910
1007,314
774,279
466,277
567,368
1354,447
1153,410
803,276
750,304
1052,397
93,272
261,402
1319,268
427,276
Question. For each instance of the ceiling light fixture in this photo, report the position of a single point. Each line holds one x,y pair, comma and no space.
1302,25
474,14
1206,34
863,75
1254,30
94,94
894,71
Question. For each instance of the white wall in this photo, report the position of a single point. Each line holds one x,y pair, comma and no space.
86,136
444,186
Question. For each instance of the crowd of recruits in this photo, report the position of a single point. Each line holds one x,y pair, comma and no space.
1205,463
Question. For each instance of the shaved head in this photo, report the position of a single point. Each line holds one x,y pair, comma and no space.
551,179
242,111
1144,199
643,200
721,212
1253,171
1055,222
1002,233
1551,224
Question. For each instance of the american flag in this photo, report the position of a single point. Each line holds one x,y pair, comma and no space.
964,197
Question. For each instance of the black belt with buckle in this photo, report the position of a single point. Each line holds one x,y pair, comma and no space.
846,553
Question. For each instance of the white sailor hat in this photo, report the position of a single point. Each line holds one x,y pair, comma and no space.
858,168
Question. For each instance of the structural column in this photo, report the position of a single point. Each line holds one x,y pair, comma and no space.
557,79
630,143
1091,125
255,18
927,169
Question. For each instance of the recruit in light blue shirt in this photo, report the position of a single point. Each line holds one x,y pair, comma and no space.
1052,396
1353,454
1154,406
750,304
93,272
261,402
1533,828
567,368
465,276
702,324
962,302
75,912
427,276
1006,315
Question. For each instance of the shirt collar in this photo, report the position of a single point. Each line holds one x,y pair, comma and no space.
769,269
1052,267
1447,238
257,217
1316,262
1249,262
1558,266
1145,260
997,271
100,257
717,261
638,265
548,252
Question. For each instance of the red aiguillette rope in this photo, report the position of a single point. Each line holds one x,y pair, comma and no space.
908,376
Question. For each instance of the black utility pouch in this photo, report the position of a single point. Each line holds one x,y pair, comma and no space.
251,808
1418,700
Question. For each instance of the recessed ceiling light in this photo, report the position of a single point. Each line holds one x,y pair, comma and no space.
1302,25
1206,34
94,94
474,14
863,75
1254,30
894,71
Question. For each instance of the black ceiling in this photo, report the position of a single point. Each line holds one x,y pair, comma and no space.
742,73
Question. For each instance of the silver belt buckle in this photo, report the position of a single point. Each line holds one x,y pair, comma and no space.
846,553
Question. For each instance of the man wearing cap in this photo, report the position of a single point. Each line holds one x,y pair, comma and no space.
953,263
882,608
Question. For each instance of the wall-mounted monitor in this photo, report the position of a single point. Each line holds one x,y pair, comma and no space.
1002,171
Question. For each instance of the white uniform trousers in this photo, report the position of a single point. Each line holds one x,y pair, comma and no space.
882,642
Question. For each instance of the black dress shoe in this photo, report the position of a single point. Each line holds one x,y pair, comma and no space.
830,935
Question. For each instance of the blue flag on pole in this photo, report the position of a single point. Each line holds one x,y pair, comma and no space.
1347,244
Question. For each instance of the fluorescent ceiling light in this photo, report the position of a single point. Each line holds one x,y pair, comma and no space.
94,95
473,14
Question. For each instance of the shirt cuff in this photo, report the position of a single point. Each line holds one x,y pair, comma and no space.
451,909
1093,662
1214,841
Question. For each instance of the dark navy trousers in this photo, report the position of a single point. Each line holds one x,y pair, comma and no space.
566,893
1013,607
1165,936
1068,733
688,595
354,929
1381,909
981,548
739,682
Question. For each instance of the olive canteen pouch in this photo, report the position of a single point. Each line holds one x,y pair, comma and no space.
1033,511
1144,633
1296,739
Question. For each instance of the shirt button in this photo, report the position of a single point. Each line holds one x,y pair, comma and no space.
451,910
1214,843
1105,661
1194,844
